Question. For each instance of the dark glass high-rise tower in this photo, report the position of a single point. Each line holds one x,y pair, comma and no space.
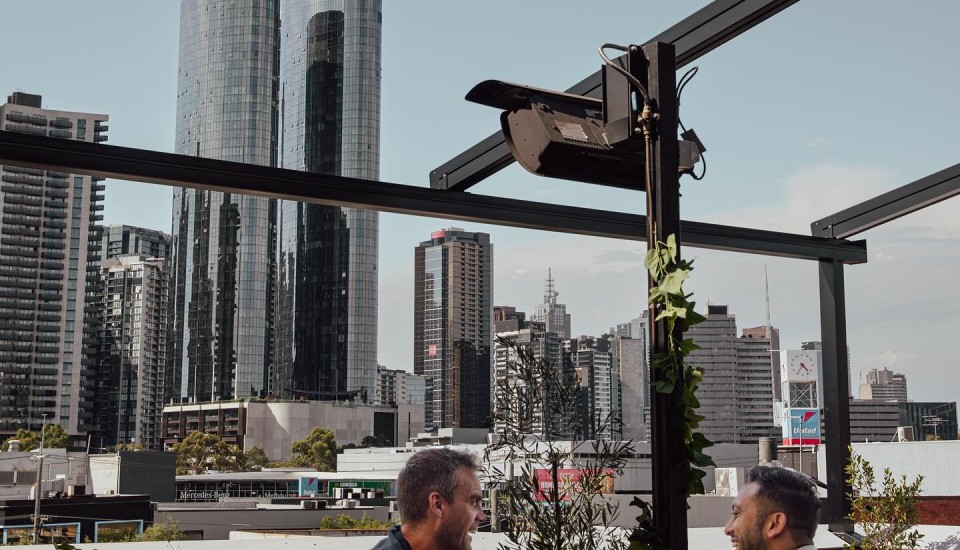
222,281
452,307
326,337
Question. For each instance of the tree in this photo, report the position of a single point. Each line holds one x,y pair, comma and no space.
255,459
343,521
166,531
318,450
199,452
555,501
54,437
888,511
373,441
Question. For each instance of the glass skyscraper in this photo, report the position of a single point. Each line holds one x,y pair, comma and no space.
222,282
326,331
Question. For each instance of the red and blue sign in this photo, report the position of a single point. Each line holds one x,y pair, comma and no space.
801,427
309,486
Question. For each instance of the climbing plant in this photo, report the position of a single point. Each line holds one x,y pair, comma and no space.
677,379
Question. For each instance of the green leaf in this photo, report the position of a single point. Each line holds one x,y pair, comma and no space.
672,247
664,386
650,261
688,345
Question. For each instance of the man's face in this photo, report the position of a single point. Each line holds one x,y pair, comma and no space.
745,527
463,515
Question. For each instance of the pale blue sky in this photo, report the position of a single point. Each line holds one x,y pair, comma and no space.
824,105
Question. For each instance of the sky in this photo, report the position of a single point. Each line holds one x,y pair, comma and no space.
823,106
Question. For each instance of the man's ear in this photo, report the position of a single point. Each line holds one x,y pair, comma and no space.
436,504
775,525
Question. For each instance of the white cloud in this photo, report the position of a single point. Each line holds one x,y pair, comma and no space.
890,359
814,192
809,194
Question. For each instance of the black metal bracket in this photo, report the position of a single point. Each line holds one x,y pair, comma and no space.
707,29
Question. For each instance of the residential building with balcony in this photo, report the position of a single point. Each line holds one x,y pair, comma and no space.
49,273
132,352
452,308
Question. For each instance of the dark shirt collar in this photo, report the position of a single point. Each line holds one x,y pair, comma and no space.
397,534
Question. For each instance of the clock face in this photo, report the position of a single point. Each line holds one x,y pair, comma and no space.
802,366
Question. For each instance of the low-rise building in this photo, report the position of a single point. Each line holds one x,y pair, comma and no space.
275,425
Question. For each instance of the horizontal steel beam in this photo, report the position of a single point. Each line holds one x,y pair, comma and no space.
891,205
705,30
216,175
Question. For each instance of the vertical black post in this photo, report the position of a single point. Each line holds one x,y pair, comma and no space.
836,399
670,468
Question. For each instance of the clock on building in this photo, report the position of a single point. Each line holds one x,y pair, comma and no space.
802,366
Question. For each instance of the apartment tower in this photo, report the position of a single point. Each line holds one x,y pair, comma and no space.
221,305
736,394
49,260
884,384
124,240
132,343
326,331
453,302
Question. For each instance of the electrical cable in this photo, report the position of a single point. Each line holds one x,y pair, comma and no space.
684,80
633,80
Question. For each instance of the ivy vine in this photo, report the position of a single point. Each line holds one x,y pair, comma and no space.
679,379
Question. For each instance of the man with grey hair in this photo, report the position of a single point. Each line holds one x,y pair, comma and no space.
439,497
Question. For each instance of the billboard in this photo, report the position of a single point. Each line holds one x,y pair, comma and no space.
568,480
801,427
309,486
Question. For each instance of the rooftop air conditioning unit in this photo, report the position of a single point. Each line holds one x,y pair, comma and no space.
308,504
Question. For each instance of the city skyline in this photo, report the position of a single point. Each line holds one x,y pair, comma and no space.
778,167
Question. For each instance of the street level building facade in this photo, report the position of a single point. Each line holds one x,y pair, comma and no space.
453,302
326,332
275,425
49,264
131,354
222,288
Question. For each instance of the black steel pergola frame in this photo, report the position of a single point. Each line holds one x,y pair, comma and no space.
699,33
692,37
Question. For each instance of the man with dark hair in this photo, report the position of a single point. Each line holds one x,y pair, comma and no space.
439,498
777,509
